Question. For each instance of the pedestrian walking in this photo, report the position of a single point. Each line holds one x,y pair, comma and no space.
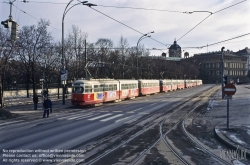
35,101
46,106
50,103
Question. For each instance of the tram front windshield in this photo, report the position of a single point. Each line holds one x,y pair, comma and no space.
77,90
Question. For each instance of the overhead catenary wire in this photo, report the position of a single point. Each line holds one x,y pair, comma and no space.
146,9
211,13
104,15
119,7
226,40
216,43
127,26
34,17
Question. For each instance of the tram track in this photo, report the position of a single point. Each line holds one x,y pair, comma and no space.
178,120
194,147
154,122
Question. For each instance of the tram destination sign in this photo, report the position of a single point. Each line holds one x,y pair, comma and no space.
229,89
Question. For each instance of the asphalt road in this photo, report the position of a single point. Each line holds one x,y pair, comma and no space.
67,131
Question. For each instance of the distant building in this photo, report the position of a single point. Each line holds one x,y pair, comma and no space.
210,66
245,52
175,50
186,55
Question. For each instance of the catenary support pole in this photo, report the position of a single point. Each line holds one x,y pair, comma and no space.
227,113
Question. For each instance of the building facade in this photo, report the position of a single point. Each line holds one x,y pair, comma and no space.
245,52
175,50
209,65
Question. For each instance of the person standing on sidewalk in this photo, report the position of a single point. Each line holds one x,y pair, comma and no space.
35,100
50,103
46,106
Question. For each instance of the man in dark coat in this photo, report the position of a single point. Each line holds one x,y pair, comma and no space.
35,101
46,105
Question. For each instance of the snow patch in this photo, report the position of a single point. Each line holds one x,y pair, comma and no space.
237,162
234,138
248,131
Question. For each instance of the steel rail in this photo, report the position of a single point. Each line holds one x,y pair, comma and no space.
202,147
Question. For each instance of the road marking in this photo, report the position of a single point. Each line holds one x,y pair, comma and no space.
103,111
112,117
123,119
2,124
98,117
137,109
131,112
144,113
84,117
117,111
76,115
87,115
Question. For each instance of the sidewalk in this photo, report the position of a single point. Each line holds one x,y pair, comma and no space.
26,111
238,134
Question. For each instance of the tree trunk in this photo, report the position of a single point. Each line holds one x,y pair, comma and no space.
33,79
27,84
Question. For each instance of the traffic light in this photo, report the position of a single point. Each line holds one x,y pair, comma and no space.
41,82
226,79
6,24
14,30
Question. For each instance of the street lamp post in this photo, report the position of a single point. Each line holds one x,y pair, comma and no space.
63,55
222,72
141,38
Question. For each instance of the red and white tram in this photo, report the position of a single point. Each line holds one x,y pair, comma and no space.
97,91
180,84
188,83
147,87
165,85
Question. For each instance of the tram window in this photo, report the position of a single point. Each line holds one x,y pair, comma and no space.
115,87
110,87
77,90
88,89
96,88
106,87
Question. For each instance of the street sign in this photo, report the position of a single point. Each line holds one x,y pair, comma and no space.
63,75
229,89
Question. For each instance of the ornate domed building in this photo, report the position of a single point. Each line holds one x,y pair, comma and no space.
175,50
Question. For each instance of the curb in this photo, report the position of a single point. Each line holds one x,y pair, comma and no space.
228,142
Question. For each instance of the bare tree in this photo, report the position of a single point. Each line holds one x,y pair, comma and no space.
6,54
75,50
34,43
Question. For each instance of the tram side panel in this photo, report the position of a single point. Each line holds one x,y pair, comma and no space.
128,89
165,85
180,84
147,87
